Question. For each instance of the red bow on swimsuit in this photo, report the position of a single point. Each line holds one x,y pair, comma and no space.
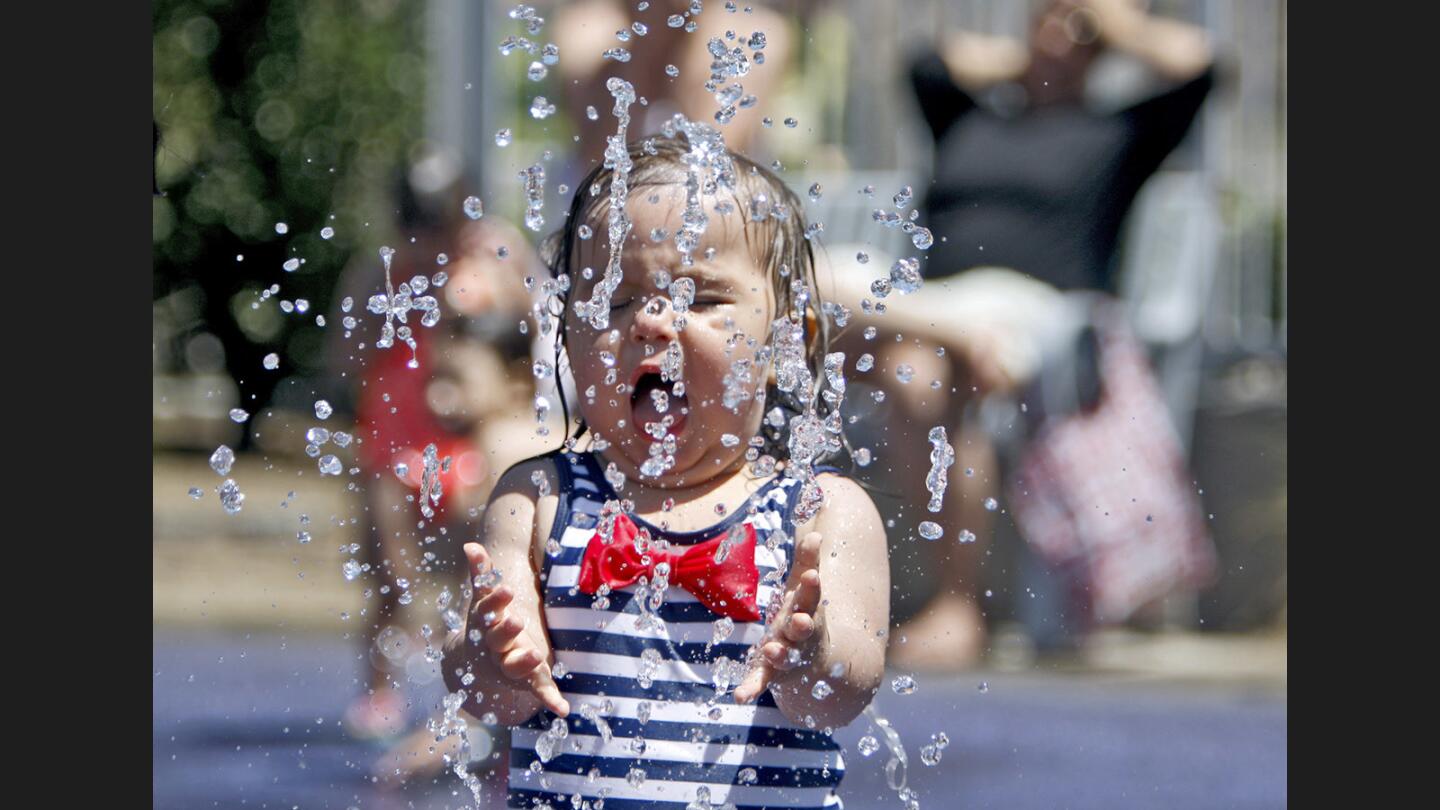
727,587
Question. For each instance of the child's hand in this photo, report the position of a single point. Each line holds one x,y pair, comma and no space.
793,630
511,655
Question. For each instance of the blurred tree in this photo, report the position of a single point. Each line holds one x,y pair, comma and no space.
277,111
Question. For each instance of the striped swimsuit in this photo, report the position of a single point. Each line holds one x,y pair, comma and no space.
692,751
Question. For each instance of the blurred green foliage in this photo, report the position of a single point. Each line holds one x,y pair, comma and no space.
294,111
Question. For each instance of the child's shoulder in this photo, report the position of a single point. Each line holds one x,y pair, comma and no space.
847,506
535,479
839,486
526,497
522,474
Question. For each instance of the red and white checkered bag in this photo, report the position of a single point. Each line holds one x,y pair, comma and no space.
1103,494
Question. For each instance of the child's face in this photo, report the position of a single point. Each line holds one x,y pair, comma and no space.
728,321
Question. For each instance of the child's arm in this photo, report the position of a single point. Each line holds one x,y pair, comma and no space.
836,613
511,663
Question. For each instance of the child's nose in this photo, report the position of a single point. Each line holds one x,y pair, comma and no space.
655,321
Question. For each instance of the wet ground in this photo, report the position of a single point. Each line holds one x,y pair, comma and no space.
250,720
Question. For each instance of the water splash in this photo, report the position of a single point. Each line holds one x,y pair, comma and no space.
396,303
453,723
222,460
708,169
231,498
726,64
596,311
430,487
942,456
792,375
905,275
899,762
930,754
533,179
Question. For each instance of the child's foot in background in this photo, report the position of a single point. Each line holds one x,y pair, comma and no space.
419,756
947,636
377,716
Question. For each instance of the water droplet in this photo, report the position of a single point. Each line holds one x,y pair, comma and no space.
865,362
791,123
903,684
238,415
222,460
196,493
503,137
351,569
904,372
922,238
473,207
272,361
905,275
930,530
323,409
942,457
536,71
281,228
991,504
330,465
230,496
821,690
815,191
291,265
903,197
965,536
675,20
541,108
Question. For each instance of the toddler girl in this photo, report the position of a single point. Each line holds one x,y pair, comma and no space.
677,608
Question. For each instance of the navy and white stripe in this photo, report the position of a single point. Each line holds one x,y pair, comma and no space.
751,756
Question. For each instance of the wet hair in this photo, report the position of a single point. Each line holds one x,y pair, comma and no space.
777,243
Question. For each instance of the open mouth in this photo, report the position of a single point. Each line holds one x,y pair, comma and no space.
655,408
